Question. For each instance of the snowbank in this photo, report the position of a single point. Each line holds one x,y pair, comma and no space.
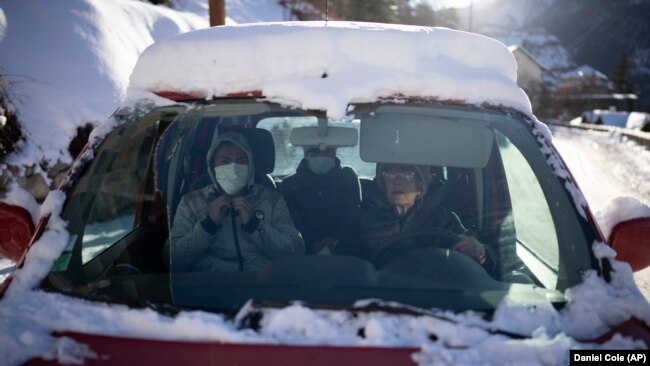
68,64
326,68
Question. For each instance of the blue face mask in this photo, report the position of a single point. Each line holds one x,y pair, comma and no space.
320,164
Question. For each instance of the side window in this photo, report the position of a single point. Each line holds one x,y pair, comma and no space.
537,242
112,212
102,207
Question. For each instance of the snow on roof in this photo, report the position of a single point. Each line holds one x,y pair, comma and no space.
523,50
584,71
326,67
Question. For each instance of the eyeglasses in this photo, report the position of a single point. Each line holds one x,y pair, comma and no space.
405,176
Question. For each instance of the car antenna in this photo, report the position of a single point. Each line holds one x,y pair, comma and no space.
327,10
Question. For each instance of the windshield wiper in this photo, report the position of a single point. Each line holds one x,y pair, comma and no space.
402,309
251,314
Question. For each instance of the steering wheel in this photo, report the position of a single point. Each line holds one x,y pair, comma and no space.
407,241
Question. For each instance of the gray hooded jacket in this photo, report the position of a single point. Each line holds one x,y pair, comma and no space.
198,246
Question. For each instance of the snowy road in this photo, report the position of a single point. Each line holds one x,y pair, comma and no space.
606,167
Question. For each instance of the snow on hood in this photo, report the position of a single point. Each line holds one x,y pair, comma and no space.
325,67
28,320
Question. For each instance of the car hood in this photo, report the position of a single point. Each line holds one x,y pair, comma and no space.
37,324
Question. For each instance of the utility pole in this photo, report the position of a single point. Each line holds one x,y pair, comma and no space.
217,12
471,11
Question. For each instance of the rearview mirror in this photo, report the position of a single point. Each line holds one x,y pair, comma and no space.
16,230
631,241
331,136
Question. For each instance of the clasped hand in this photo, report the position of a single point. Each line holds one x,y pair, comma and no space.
220,207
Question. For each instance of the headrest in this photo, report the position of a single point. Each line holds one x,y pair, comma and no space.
263,148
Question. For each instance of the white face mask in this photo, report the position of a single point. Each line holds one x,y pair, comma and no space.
232,177
321,164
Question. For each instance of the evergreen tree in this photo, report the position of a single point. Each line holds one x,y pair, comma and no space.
621,75
447,18
417,12
382,11
403,12
423,14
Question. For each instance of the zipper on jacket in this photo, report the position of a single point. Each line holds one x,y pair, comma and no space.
233,215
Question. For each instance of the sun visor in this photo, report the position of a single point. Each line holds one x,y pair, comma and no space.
425,136
331,136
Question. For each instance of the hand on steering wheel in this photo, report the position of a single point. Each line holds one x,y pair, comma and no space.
408,240
471,248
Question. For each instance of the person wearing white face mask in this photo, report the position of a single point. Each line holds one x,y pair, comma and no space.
320,195
233,224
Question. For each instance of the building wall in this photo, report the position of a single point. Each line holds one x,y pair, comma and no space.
529,78
528,71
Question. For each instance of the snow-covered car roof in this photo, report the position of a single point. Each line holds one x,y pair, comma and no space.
326,66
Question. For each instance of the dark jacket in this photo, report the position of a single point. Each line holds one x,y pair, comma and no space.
378,224
319,204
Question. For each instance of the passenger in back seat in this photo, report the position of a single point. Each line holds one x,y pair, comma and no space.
321,195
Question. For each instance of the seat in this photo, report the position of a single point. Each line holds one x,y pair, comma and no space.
321,206
262,147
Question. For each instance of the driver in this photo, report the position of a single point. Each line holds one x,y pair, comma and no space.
396,203
232,224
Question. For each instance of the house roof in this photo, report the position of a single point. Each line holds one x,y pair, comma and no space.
583,71
527,53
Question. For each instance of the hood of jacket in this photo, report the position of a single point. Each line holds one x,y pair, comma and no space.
239,140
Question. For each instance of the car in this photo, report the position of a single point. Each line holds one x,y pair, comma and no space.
639,121
95,281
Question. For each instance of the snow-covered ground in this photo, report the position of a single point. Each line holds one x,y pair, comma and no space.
68,64
607,166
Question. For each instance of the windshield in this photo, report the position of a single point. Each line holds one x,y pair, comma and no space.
430,205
